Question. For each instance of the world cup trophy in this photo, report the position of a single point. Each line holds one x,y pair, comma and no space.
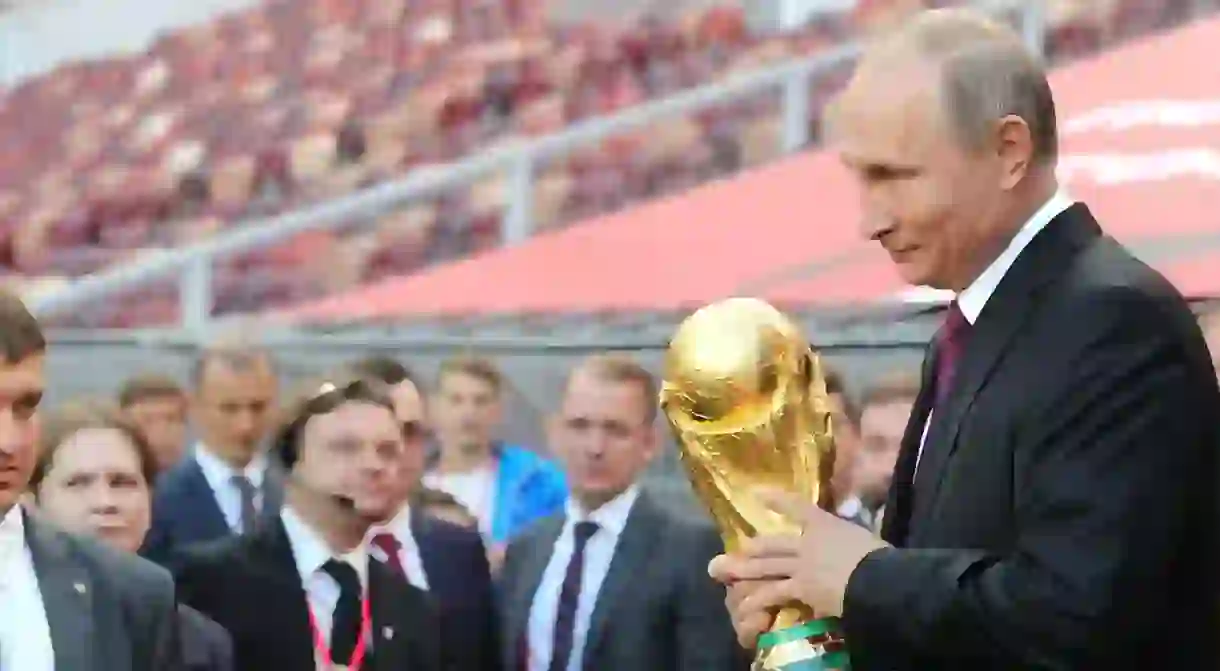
745,395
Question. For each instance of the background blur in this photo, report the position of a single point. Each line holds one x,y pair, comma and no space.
530,180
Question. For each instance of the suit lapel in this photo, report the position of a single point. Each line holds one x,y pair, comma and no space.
896,522
201,502
394,621
629,563
277,587
67,596
1006,311
537,554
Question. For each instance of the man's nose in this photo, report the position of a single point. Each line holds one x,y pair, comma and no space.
11,435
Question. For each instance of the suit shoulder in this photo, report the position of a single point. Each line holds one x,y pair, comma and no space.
455,534
206,626
1107,274
220,552
116,563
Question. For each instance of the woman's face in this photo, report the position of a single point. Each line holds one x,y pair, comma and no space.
95,486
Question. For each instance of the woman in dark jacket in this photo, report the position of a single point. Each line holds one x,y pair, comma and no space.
93,476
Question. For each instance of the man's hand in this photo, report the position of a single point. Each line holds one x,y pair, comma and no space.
812,568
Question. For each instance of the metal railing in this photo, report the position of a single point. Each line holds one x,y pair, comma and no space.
194,265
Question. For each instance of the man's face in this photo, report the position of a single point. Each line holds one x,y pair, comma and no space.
881,429
354,451
409,413
232,407
162,420
603,437
96,486
930,204
466,410
21,387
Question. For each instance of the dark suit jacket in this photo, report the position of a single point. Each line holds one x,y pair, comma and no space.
107,610
206,646
459,580
656,611
184,510
250,586
1065,513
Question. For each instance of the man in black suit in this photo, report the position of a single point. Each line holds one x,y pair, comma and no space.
300,592
65,602
227,483
1055,500
619,581
444,559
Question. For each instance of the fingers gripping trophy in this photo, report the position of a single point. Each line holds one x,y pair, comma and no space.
746,398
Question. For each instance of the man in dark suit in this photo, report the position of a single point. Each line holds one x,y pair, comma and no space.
299,592
65,602
619,581
445,560
227,483
1055,500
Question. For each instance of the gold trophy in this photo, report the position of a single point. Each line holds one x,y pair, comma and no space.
745,395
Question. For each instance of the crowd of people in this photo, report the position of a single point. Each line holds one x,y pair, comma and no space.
290,103
514,554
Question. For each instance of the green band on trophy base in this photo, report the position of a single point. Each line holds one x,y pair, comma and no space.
815,632
831,661
804,630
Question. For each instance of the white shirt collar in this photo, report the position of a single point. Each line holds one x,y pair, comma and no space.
217,470
610,517
12,537
311,551
399,525
975,297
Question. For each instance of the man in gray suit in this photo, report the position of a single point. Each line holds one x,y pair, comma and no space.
618,581
69,604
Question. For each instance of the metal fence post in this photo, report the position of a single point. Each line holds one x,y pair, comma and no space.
195,294
519,217
796,112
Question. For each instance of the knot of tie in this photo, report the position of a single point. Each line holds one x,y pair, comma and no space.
387,543
950,341
583,531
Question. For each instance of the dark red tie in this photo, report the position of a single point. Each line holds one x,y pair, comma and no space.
950,341
388,543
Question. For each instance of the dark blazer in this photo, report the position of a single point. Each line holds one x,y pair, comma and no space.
1066,509
206,646
250,586
185,512
107,610
459,580
656,611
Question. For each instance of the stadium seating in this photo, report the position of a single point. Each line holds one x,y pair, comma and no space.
297,101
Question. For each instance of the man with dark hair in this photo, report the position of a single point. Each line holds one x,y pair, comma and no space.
445,559
227,483
884,410
157,405
65,602
299,592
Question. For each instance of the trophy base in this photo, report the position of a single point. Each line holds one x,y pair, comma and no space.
816,645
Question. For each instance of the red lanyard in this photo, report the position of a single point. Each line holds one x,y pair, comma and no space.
323,651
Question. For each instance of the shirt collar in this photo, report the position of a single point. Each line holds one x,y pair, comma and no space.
974,297
310,550
12,536
399,525
217,470
610,516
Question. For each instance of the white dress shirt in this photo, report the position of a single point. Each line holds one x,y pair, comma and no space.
476,490
311,551
25,634
408,548
220,474
974,298
611,518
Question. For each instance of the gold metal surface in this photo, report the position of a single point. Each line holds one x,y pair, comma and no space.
746,398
